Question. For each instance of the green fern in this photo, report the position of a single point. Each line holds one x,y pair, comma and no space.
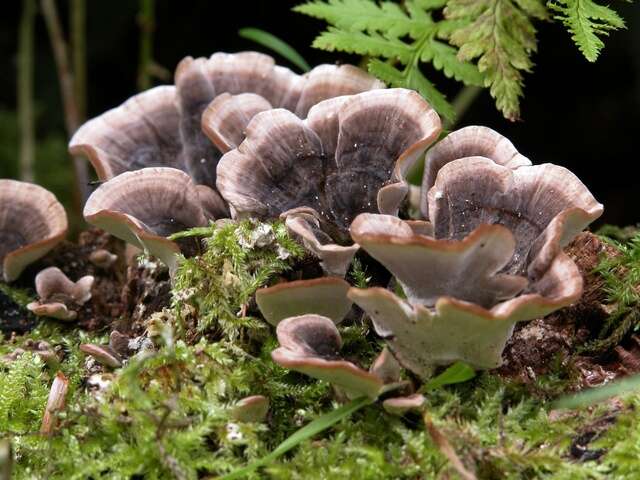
398,40
587,21
501,36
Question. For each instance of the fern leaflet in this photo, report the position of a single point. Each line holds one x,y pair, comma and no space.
398,39
586,20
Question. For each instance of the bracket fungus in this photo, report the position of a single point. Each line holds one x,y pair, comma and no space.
145,206
57,294
494,258
325,296
349,156
163,126
32,222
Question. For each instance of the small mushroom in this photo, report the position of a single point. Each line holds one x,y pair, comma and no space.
401,405
325,296
32,222
57,294
251,409
103,354
103,258
355,149
145,206
310,344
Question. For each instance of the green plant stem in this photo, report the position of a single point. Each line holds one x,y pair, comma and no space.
25,90
315,427
79,53
461,103
146,21
279,46
67,89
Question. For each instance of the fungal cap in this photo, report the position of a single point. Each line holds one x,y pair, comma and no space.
144,206
310,343
32,222
326,296
251,409
142,132
401,405
468,142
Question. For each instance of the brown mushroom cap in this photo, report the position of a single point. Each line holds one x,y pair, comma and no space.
325,296
428,268
310,344
401,405
145,206
355,150
52,282
142,132
469,141
32,222
541,202
251,409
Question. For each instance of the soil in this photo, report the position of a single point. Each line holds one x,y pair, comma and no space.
122,293
537,346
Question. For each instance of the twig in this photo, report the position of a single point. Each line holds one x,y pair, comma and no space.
6,459
447,450
79,54
25,90
146,20
464,99
65,76
55,403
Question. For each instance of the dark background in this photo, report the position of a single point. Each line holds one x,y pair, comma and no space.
580,115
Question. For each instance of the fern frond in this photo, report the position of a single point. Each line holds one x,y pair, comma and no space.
501,36
398,39
587,22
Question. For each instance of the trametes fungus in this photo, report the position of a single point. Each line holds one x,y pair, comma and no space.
58,295
162,127
494,258
145,206
349,156
32,222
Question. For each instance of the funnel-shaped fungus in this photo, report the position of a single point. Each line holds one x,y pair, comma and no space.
163,126
495,258
145,206
325,296
57,294
349,156
142,132
32,222
468,142
310,344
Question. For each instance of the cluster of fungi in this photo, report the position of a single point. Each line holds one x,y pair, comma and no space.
328,153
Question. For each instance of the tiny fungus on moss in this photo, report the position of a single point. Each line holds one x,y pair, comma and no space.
58,295
32,222
325,296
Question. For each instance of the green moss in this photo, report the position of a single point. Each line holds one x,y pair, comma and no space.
167,412
621,278
217,286
20,296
